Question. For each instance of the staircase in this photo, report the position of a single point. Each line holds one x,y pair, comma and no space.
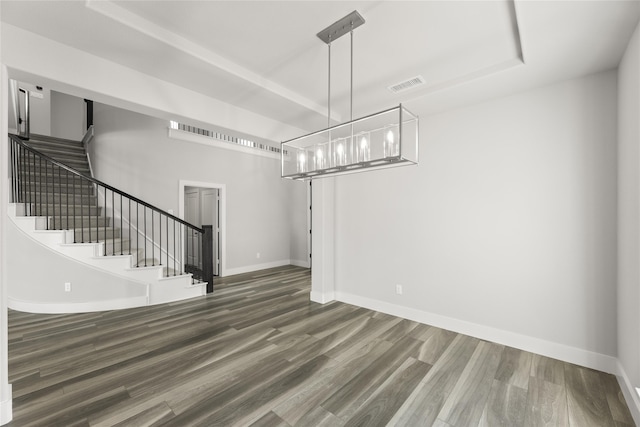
66,208
57,202
66,151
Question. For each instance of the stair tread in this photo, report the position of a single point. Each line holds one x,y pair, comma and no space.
58,148
47,138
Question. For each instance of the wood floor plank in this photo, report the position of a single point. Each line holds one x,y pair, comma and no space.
303,405
344,402
436,341
424,404
515,367
586,400
505,406
267,395
157,414
270,419
546,404
384,403
619,410
466,402
320,417
547,369
258,352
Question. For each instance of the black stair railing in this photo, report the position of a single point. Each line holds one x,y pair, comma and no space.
100,213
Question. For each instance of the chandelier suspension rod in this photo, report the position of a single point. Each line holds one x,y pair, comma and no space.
351,92
329,86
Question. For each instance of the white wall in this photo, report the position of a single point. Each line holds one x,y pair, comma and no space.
41,289
629,211
39,109
67,116
132,152
299,205
507,227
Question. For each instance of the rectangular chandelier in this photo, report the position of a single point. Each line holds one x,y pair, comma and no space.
381,140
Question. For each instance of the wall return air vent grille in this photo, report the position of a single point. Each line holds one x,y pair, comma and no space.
407,84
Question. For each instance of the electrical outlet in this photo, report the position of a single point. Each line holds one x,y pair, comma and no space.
67,287
258,255
399,289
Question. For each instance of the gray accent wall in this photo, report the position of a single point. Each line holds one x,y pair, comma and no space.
67,116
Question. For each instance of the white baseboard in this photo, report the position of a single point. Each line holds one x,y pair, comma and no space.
76,307
630,393
6,407
255,267
554,350
322,297
300,263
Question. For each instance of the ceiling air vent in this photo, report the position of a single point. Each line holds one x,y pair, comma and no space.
407,84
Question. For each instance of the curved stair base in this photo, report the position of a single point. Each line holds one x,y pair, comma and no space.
98,282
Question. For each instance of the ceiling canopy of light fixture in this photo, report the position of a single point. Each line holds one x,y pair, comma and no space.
385,139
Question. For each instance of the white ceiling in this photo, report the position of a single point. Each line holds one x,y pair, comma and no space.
264,55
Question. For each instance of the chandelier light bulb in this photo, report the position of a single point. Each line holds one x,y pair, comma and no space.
390,137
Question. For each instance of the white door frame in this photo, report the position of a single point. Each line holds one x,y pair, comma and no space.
222,192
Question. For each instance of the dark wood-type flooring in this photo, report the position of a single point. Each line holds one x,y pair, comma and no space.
258,353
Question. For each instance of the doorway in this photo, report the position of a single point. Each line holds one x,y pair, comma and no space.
203,204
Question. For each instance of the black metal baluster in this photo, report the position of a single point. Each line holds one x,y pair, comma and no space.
67,196
13,171
40,192
19,172
98,214
145,236
137,233
167,247
60,192
121,215
32,181
160,238
82,210
46,184
153,242
16,168
90,189
28,167
24,164
35,183
130,219
105,223
73,177
193,252
181,265
113,222
175,252
24,183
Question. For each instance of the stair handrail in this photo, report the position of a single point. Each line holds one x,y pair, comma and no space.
206,232
19,141
88,136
